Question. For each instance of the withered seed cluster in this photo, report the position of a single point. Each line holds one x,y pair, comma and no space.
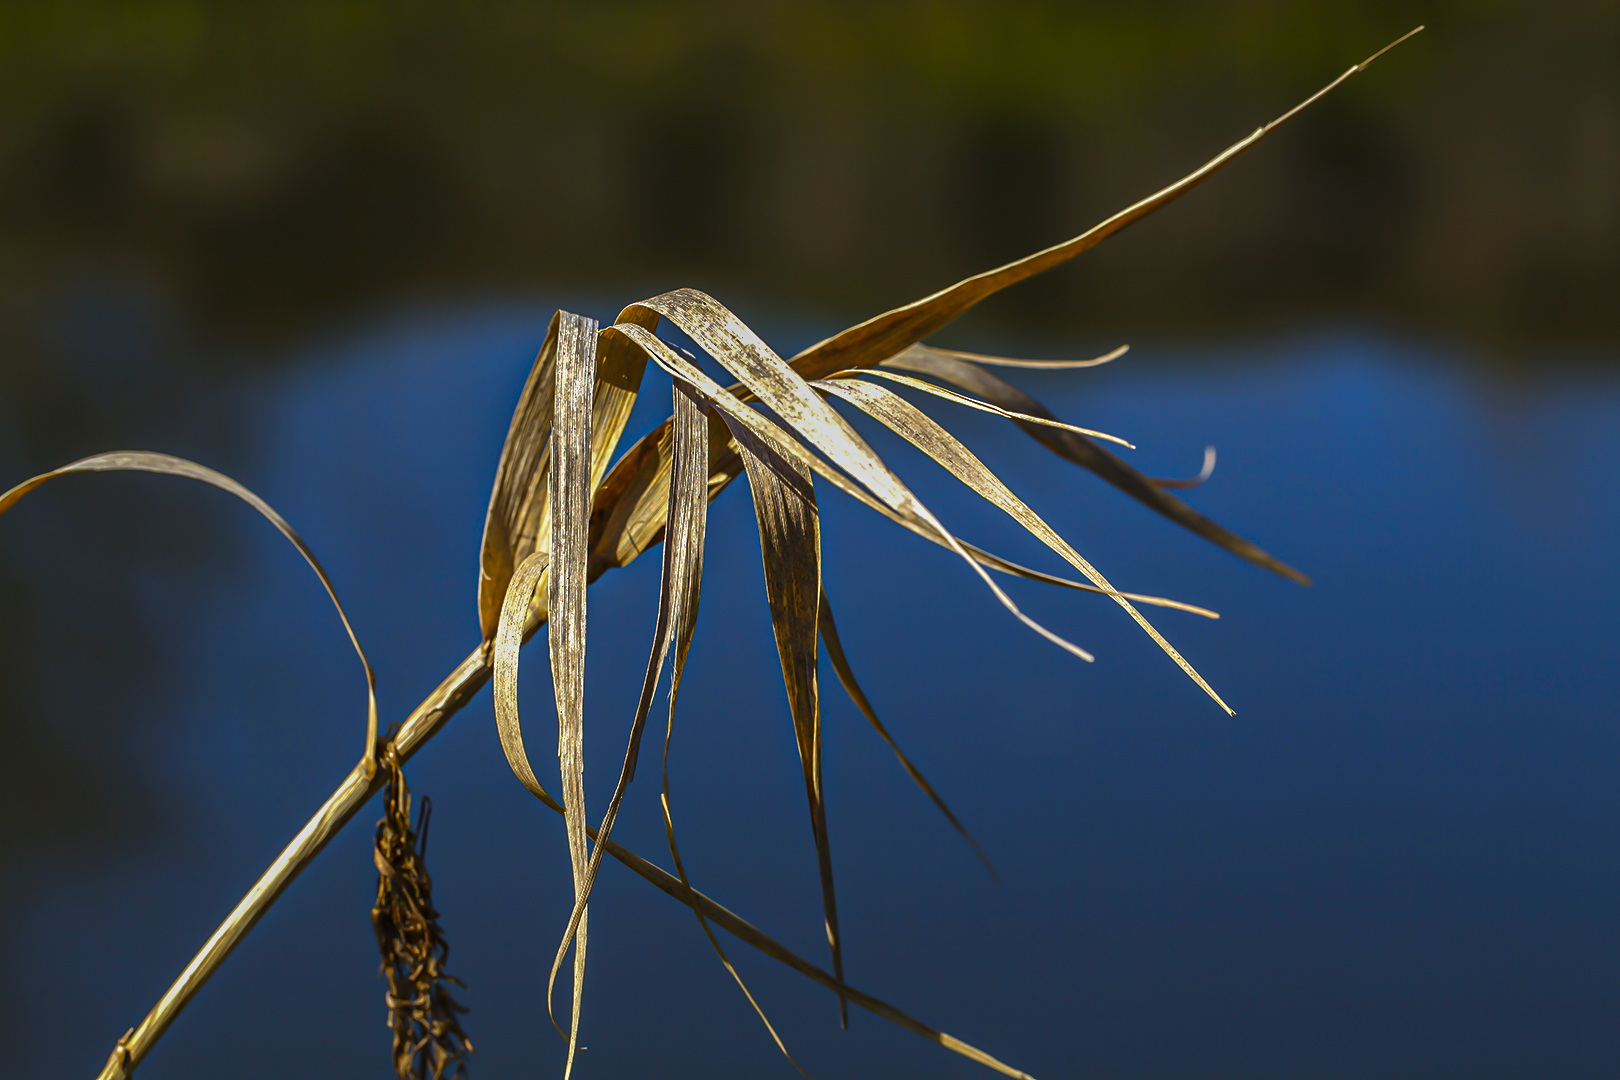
428,1040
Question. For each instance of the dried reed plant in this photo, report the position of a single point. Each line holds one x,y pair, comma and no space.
559,518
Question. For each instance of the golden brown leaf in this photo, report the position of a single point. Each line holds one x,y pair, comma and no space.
790,544
916,427
1086,454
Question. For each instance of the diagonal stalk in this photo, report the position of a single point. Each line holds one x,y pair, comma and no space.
425,721
353,793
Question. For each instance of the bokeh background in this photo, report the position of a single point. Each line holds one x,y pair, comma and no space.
316,245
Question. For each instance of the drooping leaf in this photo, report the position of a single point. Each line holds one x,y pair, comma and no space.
916,427
1086,454
168,465
570,487
632,493
683,576
857,696
985,406
790,544
841,443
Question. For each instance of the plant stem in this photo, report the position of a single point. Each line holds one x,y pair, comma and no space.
360,785
364,781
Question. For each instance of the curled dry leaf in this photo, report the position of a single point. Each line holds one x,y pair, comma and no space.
1205,471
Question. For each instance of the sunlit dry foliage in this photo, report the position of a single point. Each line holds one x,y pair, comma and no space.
559,517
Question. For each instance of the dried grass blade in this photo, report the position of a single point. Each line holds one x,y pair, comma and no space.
518,500
520,504
1046,365
847,445
570,490
846,677
790,545
1007,566
889,333
1087,455
747,932
683,576
504,659
984,406
631,489
168,465
918,428
679,589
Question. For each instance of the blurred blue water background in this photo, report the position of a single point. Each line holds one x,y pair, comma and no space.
1398,859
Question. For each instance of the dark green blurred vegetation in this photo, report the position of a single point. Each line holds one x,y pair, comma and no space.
249,171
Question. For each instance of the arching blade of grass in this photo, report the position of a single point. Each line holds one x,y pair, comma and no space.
842,440
632,492
985,406
169,465
906,420
1086,454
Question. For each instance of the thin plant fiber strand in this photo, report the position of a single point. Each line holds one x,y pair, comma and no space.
983,406
846,677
